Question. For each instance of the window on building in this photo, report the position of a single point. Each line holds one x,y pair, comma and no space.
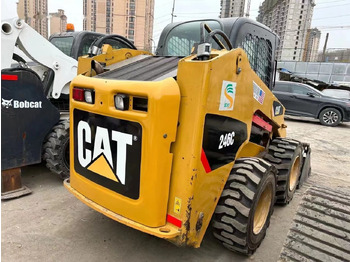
293,57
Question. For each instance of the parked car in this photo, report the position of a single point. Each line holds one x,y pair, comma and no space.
337,93
304,100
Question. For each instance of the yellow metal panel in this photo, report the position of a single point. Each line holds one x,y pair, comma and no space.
168,231
158,132
200,83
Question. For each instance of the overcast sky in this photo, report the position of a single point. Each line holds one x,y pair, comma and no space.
332,16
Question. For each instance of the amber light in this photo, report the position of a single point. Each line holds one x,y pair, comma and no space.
70,27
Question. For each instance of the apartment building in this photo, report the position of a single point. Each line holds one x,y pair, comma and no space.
290,19
129,18
312,43
232,8
35,14
58,22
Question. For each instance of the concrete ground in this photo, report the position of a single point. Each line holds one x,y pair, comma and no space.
52,225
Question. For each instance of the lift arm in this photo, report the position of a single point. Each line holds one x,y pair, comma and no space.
15,32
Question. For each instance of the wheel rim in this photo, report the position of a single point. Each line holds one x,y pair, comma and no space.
294,174
330,117
262,209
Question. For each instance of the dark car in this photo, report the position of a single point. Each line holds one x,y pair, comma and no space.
304,100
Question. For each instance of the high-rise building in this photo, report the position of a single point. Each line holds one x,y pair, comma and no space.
34,13
312,43
290,19
58,22
232,8
130,18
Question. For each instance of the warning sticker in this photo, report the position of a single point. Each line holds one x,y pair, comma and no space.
177,205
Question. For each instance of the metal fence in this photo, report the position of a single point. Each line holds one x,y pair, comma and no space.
326,72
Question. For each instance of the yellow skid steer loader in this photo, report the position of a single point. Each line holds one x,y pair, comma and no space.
168,143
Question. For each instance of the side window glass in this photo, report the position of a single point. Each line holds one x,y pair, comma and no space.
259,52
281,88
301,90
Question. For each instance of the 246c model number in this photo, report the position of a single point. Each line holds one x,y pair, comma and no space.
227,140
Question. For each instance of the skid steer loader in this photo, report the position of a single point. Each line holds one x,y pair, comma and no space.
168,143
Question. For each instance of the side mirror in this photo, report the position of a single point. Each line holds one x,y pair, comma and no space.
310,94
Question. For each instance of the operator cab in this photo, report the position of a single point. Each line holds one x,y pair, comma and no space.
76,44
257,40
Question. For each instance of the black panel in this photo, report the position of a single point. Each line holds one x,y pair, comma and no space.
147,69
133,152
222,138
27,116
277,108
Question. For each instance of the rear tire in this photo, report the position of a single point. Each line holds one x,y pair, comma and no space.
330,117
243,213
286,155
56,150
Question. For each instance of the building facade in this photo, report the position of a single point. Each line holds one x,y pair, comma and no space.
132,19
34,13
232,8
290,19
58,22
312,43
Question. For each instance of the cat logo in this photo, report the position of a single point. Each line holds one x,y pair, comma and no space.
99,160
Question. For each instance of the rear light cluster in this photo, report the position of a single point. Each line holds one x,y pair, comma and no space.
84,95
121,101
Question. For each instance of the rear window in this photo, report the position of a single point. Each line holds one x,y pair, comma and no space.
181,39
337,93
63,43
89,39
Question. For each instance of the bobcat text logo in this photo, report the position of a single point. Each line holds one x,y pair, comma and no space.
6,103
100,160
21,104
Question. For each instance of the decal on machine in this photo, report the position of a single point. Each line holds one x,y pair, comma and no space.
177,205
258,93
108,151
222,138
277,108
20,104
228,93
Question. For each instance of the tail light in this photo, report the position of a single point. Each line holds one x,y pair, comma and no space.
84,95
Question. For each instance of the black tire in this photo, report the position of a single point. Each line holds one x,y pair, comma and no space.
251,180
330,117
286,155
56,150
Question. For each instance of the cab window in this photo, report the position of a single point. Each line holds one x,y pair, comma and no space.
182,38
63,43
